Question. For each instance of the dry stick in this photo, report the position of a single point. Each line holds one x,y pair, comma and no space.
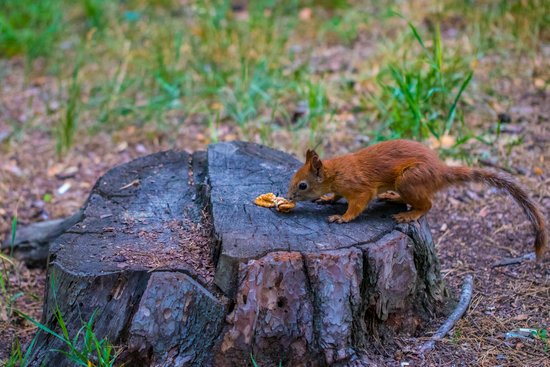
514,260
465,299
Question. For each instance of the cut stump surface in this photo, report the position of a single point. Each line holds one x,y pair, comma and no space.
180,268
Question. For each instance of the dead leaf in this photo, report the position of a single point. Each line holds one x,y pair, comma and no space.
539,83
447,141
122,146
305,14
483,212
453,201
67,173
521,317
54,169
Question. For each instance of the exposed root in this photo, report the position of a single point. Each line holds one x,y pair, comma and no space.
465,298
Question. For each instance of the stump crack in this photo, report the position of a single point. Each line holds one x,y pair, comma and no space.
311,291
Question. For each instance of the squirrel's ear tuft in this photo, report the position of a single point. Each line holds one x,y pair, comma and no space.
311,154
316,165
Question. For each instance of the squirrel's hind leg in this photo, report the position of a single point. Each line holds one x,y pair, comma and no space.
409,216
414,188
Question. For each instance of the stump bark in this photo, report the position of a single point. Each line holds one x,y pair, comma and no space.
182,269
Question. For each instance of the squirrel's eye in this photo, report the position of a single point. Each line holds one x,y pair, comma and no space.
302,186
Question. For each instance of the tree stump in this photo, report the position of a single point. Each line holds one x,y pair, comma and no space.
182,269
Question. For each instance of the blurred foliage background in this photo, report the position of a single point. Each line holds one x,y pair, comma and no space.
282,73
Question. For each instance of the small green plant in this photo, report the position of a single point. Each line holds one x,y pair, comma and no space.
96,12
420,96
456,336
67,126
47,197
17,358
542,335
13,233
213,125
249,92
84,348
6,298
29,27
7,295
314,96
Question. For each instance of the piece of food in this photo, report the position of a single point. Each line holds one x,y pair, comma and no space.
283,205
266,200
269,200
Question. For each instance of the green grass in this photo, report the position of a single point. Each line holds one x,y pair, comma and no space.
155,63
82,348
68,124
542,335
315,99
419,95
29,27
17,358
8,295
501,25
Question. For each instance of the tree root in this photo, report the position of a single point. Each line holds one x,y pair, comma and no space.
465,298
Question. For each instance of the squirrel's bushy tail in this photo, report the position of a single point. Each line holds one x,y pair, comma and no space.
455,175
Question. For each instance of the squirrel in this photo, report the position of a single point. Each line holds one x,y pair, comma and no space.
411,170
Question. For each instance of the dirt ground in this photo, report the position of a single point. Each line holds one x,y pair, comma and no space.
473,227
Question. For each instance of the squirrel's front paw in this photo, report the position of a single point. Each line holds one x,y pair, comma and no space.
336,218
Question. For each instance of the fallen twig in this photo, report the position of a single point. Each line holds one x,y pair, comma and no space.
514,260
32,242
465,299
133,183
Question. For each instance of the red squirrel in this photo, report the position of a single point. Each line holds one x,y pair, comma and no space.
411,170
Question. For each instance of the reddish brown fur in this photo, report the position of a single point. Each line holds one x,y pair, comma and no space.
410,169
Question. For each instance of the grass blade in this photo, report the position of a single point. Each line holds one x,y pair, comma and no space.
253,361
6,258
417,36
41,326
13,233
29,350
452,111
